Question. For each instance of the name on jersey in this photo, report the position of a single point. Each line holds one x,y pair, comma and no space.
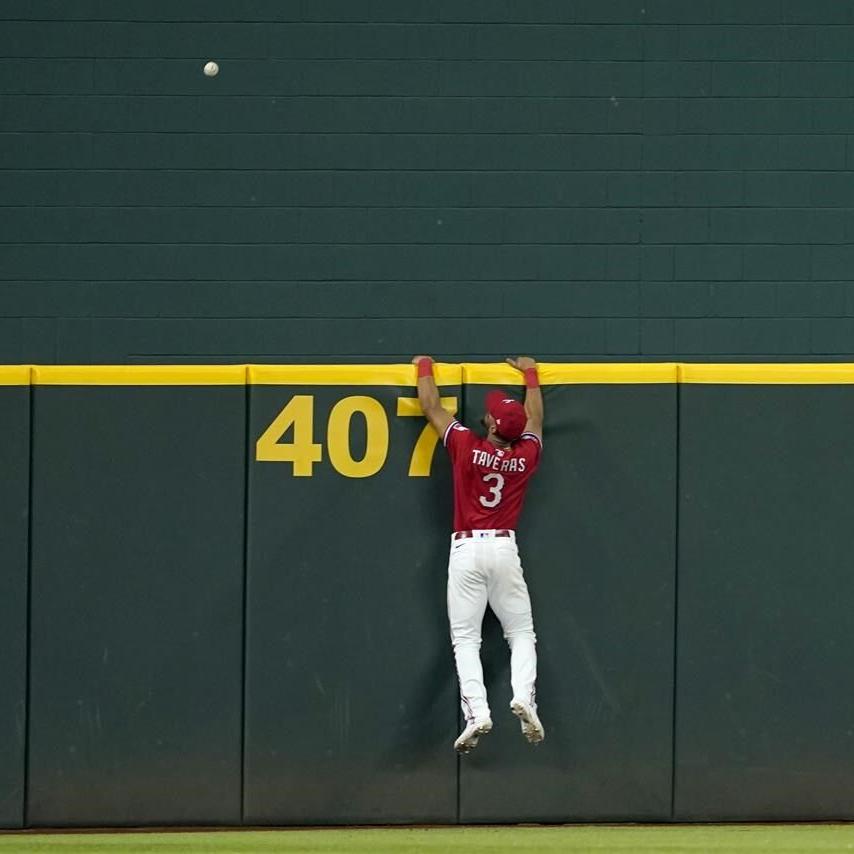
496,463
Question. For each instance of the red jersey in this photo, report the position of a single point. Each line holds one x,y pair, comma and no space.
489,482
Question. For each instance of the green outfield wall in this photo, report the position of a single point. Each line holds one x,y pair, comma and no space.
350,689
597,542
589,180
14,559
221,597
136,618
224,597
765,724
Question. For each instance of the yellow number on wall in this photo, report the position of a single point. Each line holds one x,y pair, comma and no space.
425,447
302,452
338,436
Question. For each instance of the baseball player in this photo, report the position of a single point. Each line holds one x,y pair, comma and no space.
491,474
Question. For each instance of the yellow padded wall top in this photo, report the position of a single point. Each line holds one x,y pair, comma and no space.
825,373
403,375
139,375
573,373
15,374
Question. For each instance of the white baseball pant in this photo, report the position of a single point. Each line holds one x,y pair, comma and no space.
485,569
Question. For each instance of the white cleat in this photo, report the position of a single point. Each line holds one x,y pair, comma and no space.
532,729
470,736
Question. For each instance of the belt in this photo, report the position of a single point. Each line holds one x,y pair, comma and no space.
462,535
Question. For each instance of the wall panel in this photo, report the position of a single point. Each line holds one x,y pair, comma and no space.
137,598
14,511
350,714
764,725
597,541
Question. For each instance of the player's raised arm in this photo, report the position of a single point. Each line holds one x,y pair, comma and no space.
533,395
428,395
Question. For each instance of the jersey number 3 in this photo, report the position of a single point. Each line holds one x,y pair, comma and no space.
495,490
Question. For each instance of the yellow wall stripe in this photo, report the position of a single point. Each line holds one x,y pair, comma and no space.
139,375
446,374
774,374
581,373
15,374
400,375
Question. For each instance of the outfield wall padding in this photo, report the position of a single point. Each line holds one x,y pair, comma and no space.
137,602
14,509
350,709
597,541
765,704
234,598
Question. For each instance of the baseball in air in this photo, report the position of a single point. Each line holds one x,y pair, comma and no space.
211,69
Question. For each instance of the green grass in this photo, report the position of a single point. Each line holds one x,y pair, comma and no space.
791,839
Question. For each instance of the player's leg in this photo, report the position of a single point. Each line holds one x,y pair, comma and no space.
509,599
467,598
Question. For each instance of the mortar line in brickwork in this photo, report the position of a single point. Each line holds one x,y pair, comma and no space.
365,59
349,22
25,807
380,97
245,600
675,604
367,133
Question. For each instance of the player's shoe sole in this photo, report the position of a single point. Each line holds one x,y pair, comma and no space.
532,729
469,737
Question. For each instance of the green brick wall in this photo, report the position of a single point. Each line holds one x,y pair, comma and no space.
586,180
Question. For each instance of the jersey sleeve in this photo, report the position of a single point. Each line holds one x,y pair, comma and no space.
535,444
457,439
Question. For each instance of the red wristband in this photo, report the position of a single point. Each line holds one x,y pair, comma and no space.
425,368
531,378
